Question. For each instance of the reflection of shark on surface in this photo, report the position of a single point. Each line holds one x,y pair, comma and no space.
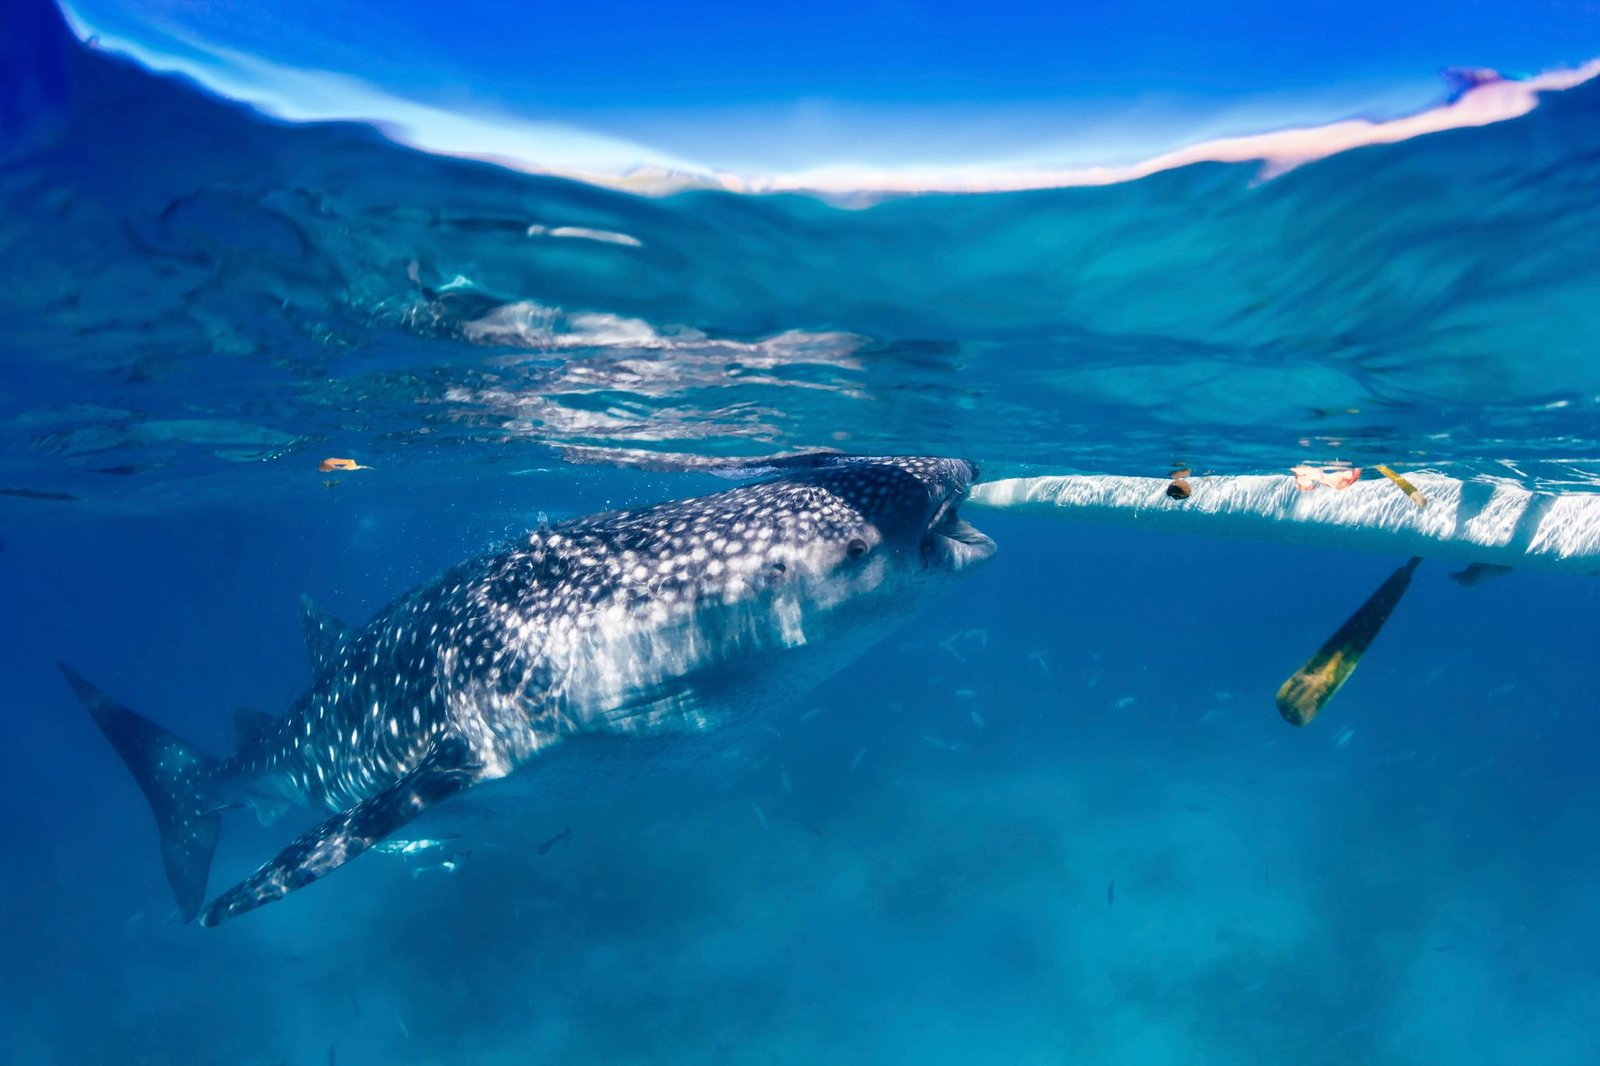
589,650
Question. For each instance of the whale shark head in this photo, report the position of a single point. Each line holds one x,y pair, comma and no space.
857,522
671,604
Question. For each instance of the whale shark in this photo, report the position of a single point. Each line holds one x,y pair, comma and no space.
581,655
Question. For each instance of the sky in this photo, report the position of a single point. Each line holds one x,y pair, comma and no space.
761,88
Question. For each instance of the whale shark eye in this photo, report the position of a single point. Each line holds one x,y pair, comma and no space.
856,548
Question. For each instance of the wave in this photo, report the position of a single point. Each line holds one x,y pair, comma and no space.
199,298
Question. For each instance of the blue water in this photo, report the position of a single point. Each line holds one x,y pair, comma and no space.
1056,818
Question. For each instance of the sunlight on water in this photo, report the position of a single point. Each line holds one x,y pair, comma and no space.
1052,817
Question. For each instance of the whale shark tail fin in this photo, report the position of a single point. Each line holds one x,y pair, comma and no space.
172,775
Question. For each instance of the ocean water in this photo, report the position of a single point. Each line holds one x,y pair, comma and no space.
1054,819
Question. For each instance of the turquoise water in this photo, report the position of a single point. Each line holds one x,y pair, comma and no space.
1054,819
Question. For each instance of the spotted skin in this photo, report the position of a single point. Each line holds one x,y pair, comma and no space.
646,636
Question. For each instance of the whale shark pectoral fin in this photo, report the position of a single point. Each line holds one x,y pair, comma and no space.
446,770
325,635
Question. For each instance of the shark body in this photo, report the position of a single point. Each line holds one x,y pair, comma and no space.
592,651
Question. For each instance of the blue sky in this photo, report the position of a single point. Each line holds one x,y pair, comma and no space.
762,87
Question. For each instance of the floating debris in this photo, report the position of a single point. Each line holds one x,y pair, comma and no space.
1478,572
1310,688
329,465
1307,478
1405,486
555,841
1179,488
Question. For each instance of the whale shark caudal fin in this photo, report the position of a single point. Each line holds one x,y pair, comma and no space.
173,777
325,635
446,770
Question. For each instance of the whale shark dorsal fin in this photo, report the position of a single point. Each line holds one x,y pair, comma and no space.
325,635
448,768
248,724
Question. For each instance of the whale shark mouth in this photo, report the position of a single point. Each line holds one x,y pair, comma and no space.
951,541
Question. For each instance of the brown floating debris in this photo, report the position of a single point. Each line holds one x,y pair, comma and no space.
1405,486
1314,684
1180,489
329,465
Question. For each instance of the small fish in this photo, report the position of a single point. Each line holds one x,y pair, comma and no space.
783,779
555,841
1478,573
327,466
405,1030
1038,657
410,847
445,866
855,763
1111,893
1125,702
1443,948
37,494
333,1056
1344,737
977,720
761,815
965,693
812,713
